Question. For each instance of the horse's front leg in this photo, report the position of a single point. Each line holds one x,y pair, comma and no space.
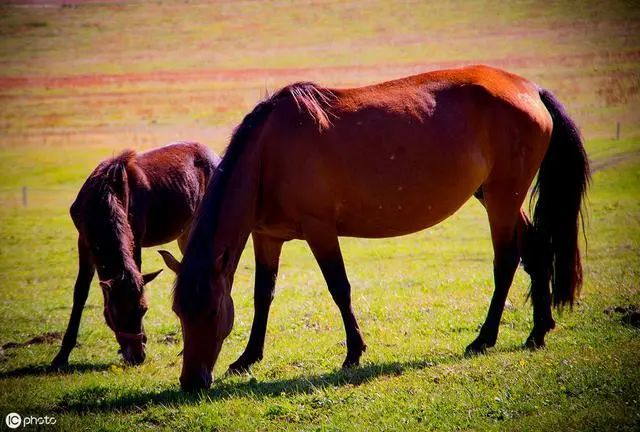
86,271
267,255
323,241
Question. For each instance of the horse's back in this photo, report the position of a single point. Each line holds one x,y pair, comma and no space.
403,155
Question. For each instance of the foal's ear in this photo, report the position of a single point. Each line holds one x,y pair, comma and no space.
170,261
150,276
106,285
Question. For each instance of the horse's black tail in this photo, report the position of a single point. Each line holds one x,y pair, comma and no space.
560,188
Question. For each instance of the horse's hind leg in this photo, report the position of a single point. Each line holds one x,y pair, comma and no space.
540,293
506,221
323,241
80,292
267,254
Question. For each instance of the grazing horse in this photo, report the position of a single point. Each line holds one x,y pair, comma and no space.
385,160
129,202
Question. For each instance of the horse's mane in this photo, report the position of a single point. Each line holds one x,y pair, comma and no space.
191,290
314,99
100,211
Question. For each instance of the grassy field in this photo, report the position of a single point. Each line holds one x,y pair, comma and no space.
78,84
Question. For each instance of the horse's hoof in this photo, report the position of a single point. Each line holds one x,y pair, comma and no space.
238,368
58,365
475,348
534,344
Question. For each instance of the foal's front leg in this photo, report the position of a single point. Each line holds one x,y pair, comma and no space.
323,241
86,271
267,254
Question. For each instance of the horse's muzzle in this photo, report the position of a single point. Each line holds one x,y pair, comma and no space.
201,381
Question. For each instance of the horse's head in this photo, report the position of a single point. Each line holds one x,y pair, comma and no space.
125,304
204,326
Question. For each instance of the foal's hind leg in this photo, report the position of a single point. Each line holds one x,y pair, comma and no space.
267,253
323,241
86,271
506,223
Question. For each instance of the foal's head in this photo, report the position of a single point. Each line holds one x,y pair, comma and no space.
204,326
125,305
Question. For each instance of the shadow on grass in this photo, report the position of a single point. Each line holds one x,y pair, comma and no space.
97,399
44,369
106,398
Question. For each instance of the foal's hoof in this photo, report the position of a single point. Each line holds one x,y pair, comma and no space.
353,358
350,363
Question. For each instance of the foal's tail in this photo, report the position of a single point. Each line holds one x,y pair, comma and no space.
561,186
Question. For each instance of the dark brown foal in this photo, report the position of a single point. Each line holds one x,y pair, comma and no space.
129,202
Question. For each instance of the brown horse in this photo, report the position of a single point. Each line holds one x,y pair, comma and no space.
129,202
380,161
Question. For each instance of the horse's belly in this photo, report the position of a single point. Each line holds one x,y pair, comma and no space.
401,213
395,196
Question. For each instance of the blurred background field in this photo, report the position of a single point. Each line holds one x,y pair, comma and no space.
79,82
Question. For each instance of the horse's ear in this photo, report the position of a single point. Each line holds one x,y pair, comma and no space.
106,285
170,261
150,276
221,262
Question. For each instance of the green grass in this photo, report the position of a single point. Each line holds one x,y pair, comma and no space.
419,299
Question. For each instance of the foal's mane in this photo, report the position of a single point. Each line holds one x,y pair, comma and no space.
191,290
100,211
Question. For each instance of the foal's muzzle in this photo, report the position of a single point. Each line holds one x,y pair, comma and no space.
132,347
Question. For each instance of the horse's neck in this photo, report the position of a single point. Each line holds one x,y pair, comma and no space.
238,210
226,226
